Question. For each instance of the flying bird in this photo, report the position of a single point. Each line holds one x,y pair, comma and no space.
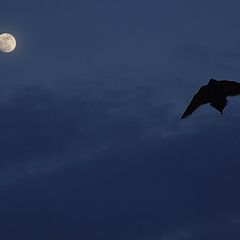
215,93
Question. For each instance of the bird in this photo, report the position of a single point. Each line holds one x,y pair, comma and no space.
215,93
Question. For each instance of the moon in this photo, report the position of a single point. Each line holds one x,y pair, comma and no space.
7,42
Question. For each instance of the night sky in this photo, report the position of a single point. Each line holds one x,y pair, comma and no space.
91,142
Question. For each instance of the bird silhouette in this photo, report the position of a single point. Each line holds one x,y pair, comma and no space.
215,93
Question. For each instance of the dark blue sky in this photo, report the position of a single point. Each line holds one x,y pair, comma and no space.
92,145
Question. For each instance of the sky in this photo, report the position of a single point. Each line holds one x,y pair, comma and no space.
92,145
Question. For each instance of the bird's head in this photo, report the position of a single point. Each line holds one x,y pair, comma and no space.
212,81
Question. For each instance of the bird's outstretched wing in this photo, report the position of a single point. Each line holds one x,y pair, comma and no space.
231,88
201,97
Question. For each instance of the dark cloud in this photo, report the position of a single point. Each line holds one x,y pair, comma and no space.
34,125
39,124
131,185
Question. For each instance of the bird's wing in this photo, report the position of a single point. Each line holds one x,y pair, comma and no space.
231,88
201,97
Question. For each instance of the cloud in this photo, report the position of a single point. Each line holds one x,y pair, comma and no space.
235,221
103,159
39,125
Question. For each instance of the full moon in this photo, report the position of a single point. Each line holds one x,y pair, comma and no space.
7,42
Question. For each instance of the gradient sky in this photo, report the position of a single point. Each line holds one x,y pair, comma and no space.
91,141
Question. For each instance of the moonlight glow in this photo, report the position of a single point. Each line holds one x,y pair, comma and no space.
7,42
